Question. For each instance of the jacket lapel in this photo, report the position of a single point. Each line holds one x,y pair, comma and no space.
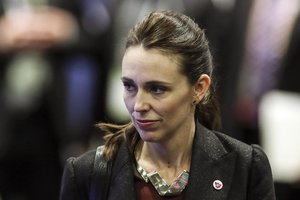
210,162
122,179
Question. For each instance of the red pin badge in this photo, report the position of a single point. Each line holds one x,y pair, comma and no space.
218,185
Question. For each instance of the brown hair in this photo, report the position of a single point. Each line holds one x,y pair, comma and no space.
171,33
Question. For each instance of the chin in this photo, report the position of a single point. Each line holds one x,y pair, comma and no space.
147,136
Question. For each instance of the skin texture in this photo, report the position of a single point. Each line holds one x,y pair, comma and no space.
160,99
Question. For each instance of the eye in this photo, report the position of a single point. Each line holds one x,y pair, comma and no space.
158,89
129,87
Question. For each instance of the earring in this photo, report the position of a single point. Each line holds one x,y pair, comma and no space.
194,103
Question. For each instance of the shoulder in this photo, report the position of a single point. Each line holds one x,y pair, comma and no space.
232,144
77,174
217,145
83,163
252,155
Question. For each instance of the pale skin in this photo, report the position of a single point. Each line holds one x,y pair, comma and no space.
159,100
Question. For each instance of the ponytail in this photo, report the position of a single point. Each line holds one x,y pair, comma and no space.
115,135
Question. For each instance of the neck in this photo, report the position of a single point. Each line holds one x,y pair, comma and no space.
174,155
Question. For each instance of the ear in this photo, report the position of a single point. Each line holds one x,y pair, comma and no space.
201,87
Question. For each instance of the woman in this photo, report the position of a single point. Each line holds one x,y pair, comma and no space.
169,149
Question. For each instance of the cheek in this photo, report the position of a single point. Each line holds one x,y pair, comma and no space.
171,108
180,105
128,102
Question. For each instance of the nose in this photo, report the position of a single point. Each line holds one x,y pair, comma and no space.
141,103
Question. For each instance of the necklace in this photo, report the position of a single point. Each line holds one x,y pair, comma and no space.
161,186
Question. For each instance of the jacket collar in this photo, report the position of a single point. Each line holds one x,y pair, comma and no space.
210,162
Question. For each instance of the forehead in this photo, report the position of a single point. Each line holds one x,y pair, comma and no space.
138,62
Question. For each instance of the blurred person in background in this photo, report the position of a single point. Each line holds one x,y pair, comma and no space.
54,56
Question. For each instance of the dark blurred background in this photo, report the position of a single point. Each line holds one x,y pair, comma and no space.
60,75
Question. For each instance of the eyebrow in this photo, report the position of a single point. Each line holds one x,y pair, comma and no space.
125,79
154,82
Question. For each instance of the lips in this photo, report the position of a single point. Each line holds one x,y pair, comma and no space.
146,123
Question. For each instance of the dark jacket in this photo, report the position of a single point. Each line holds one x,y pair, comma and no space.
244,171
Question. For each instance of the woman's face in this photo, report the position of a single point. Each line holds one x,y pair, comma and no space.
157,96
